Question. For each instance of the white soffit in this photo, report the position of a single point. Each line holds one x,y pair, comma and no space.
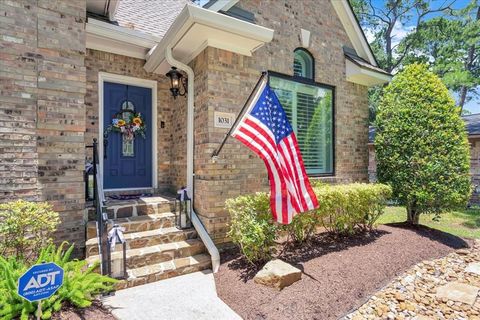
111,38
354,32
196,28
364,76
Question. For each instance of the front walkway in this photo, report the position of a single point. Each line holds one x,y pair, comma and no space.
191,296
446,288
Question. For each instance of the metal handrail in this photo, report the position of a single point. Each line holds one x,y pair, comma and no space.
101,215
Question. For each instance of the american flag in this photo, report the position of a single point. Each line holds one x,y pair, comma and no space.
265,129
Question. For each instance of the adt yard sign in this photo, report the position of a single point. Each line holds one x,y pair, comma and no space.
40,282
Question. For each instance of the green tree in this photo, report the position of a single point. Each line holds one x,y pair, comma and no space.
382,18
451,47
382,21
421,145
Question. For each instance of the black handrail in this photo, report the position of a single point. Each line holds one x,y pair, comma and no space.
101,215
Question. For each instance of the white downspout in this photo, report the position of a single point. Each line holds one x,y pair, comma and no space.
202,232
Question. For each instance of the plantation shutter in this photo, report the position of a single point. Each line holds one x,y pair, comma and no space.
298,68
311,137
309,110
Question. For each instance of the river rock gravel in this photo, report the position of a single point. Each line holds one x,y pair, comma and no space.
445,288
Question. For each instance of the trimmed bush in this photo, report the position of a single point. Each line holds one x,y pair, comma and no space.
251,226
421,144
25,228
348,208
344,209
80,285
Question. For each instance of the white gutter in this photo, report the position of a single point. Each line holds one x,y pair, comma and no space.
199,227
120,34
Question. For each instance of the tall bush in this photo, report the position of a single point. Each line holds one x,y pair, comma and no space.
26,227
421,145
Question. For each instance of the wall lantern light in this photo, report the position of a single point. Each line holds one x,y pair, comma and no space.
177,79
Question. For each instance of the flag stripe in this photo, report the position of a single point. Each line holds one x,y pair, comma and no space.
305,182
265,129
275,188
253,128
284,152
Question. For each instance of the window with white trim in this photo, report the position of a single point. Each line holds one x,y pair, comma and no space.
309,107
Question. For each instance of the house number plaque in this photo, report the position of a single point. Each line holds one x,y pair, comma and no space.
223,119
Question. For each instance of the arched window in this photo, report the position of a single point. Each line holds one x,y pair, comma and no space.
303,63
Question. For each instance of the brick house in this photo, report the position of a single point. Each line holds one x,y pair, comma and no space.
68,67
472,125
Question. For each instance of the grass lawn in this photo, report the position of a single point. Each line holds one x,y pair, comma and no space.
462,223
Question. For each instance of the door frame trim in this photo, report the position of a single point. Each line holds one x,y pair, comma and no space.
138,82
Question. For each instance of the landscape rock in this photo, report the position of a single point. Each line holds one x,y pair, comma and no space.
446,288
460,292
473,267
278,274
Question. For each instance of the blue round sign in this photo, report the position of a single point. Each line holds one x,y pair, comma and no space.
41,281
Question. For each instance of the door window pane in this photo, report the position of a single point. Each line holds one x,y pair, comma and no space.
127,143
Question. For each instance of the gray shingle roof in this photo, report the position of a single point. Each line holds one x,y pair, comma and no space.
351,55
149,16
472,124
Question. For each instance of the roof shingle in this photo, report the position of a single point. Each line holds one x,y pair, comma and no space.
149,16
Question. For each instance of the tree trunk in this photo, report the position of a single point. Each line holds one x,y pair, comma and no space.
413,216
463,98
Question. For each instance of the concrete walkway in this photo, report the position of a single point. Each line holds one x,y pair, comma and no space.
192,296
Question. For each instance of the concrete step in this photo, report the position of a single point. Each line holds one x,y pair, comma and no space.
147,238
141,257
165,270
137,224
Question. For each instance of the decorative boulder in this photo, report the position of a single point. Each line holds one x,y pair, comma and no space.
278,274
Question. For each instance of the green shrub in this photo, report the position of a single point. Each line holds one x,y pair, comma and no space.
421,144
25,228
80,285
343,209
302,227
251,226
350,207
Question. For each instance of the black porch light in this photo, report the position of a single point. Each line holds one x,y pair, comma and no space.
176,79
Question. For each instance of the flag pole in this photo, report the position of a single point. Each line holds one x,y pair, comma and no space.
217,151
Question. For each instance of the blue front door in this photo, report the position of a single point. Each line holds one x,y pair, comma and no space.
127,162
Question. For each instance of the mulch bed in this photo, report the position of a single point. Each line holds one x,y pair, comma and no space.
95,312
339,274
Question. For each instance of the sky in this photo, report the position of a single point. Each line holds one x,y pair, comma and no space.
401,30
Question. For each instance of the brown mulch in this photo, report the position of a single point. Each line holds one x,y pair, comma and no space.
339,274
95,312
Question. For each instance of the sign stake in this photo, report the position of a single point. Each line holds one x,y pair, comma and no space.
39,310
